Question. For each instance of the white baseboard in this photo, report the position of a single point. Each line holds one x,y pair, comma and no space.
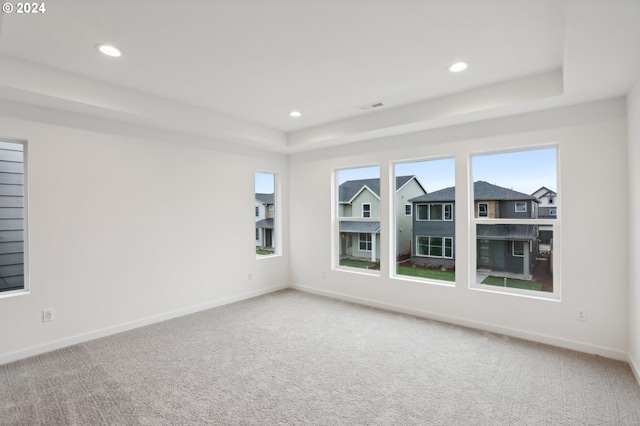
51,346
635,368
521,334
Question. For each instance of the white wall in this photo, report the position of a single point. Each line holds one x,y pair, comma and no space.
126,230
633,106
594,265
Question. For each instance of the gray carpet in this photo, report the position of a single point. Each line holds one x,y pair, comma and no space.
299,359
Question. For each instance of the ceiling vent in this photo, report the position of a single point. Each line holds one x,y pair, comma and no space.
371,105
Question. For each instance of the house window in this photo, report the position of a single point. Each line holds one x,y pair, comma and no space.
356,221
514,253
448,212
435,212
408,209
483,209
365,242
518,248
267,232
553,212
13,209
434,246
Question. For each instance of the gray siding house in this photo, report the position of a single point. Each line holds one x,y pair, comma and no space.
506,248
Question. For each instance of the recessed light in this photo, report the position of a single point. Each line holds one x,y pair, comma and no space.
458,66
295,114
110,50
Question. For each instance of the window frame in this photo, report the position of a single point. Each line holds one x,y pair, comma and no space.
26,286
368,241
410,205
368,210
524,203
429,205
553,223
486,209
276,232
443,246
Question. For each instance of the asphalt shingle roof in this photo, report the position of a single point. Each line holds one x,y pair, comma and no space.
264,198
481,190
350,188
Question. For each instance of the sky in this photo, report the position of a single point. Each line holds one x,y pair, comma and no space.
265,183
523,171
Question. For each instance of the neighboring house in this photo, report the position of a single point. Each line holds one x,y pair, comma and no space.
361,198
548,209
548,203
265,213
506,248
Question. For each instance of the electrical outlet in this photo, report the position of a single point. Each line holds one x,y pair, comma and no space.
47,315
582,314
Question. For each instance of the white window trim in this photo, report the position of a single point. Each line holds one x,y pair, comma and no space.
277,230
444,212
26,290
429,245
368,243
368,211
513,248
410,209
522,203
428,219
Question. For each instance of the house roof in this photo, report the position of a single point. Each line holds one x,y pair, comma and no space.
264,198
482,191
347,226
351,188
265,223
506,232
542,192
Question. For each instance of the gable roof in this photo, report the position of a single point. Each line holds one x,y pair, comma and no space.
543,191
264,198
481,190
348,190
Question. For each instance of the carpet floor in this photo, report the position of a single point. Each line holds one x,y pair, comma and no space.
291,358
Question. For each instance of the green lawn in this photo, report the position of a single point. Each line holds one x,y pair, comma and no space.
263,252
359,264
526,285
432,274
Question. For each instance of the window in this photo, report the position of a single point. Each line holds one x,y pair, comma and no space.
434,246
366,210
553,212
518,248
435,212
266,223
365,242
514,252
425,220
483,209
357,219
12,218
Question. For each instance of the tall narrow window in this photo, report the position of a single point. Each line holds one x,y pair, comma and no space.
265,214
424,241
12,217
515,246
358,218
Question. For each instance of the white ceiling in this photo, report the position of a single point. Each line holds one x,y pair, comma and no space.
235,69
